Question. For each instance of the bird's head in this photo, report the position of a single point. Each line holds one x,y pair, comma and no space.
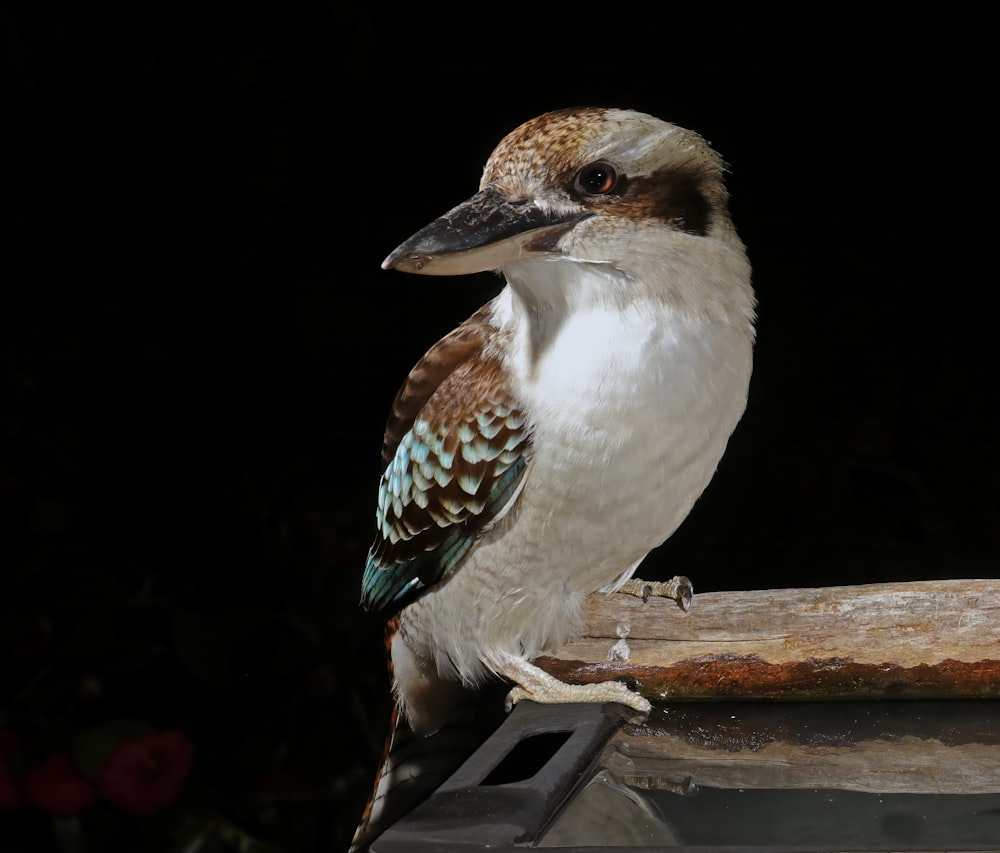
575,183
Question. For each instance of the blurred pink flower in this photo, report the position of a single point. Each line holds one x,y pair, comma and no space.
56,786
146,772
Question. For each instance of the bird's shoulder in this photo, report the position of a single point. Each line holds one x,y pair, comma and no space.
464,345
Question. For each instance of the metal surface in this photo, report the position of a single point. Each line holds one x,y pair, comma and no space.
504,795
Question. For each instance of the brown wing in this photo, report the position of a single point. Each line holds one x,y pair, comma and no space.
457,446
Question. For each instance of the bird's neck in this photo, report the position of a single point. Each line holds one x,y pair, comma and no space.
541,295
706,284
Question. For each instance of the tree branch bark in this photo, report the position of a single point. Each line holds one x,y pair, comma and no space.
921,640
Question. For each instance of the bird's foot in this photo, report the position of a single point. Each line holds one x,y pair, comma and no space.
538,686
678,588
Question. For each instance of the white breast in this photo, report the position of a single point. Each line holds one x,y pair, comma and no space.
631,410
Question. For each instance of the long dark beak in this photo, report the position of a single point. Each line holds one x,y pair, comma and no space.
486,232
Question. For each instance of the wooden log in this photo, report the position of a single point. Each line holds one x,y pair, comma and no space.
920,640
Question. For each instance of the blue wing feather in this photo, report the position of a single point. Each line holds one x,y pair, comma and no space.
391,585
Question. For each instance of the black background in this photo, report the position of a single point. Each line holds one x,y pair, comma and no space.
199,348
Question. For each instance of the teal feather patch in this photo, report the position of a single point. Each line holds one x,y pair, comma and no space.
392,584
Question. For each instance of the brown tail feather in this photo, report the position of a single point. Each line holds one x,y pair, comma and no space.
414,766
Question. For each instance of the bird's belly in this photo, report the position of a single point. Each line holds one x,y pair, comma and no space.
614,472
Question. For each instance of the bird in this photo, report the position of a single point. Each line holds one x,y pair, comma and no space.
537,453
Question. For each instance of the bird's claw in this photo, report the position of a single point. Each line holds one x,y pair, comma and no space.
604,691
678,589
513,697
535,684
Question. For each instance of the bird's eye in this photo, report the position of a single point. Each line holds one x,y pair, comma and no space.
596,179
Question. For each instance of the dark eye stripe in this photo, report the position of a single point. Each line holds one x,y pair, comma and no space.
677,196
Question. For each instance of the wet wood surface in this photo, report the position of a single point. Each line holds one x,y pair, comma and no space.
920,640
937,747
885,767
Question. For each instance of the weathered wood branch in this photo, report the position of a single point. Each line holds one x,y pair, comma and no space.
928,639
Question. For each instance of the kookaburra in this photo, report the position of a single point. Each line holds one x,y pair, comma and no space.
539,451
